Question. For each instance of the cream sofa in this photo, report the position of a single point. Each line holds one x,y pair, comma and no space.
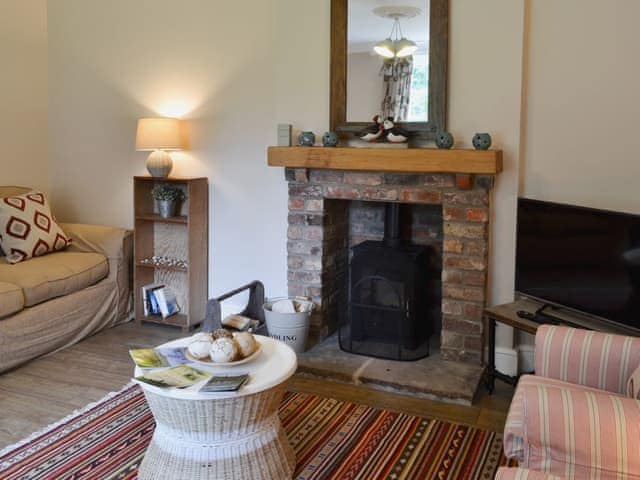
51,302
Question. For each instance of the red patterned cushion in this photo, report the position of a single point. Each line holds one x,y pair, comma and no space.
27,227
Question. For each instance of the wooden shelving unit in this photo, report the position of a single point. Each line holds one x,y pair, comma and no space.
183,237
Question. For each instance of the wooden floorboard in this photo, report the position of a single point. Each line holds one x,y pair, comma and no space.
47,389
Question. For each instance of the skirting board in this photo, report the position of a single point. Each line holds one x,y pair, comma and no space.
507,361
525,358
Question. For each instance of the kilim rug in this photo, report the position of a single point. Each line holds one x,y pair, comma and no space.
331,439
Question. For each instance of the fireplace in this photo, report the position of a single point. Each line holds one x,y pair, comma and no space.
386,314
324,235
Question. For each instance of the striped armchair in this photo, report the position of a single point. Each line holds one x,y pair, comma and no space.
573,418
506,473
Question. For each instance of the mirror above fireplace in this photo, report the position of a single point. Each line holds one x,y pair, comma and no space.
389,58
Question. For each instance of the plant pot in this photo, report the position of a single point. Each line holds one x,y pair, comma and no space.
167,208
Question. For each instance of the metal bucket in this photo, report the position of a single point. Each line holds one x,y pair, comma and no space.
290,328
167,208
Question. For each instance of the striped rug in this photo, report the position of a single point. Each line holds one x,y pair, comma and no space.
331,439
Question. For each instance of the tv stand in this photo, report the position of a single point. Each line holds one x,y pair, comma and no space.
527,315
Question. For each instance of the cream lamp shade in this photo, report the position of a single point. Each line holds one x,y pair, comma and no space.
159,135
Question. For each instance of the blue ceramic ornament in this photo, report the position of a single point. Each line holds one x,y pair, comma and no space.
444,140
330,139
306,139
481,141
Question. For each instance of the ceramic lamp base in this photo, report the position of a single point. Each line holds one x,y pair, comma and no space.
159,164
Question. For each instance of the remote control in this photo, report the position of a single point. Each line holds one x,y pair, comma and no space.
527,315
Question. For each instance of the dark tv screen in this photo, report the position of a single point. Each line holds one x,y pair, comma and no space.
581,258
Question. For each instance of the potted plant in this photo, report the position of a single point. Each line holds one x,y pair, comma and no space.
167,198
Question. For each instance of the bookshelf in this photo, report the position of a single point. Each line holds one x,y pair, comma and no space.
184,237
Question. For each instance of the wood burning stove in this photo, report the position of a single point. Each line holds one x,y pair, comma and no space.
386,312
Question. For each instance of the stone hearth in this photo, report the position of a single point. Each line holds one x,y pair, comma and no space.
320,233
431,378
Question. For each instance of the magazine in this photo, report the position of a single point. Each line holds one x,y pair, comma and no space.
149,302
224,383
182,376
167,303
159,357
148,358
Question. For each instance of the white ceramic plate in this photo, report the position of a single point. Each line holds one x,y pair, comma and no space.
210,363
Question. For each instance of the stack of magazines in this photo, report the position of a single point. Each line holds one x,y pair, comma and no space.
158,299
166,367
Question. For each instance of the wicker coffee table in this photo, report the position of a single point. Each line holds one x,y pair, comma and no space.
230,435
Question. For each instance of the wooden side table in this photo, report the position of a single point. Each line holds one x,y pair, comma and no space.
225,435
507,315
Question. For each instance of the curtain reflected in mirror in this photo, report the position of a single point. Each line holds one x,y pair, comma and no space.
388,60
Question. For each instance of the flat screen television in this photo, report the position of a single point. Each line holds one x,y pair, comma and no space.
581,258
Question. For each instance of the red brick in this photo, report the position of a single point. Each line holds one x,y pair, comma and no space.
453,213
463,327
475,248
464,181
402,179
294,262
301,175
451,307
477,215
325,176
465,263
419,195
465,230
357,178
312,233
341,191
452,246
473,311
460,293
452,276
473,342
307,191
312,263
314,205
451,339
372,193
296,203
294,232
477,279
304,248
475,198
306,277
439,180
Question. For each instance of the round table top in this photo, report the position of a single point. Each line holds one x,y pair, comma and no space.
274,365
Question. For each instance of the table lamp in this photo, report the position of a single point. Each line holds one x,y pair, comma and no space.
160,135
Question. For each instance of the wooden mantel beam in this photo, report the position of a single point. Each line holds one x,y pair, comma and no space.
413,160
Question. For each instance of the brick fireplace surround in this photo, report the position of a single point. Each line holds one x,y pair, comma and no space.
319,233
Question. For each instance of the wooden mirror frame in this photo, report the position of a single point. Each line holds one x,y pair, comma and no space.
438,61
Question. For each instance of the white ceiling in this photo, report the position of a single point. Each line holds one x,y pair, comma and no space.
365,28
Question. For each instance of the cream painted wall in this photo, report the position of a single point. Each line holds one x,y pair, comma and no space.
23,93
485,80
211,62
583,104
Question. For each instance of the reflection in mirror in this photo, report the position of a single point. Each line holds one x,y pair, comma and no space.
388,60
